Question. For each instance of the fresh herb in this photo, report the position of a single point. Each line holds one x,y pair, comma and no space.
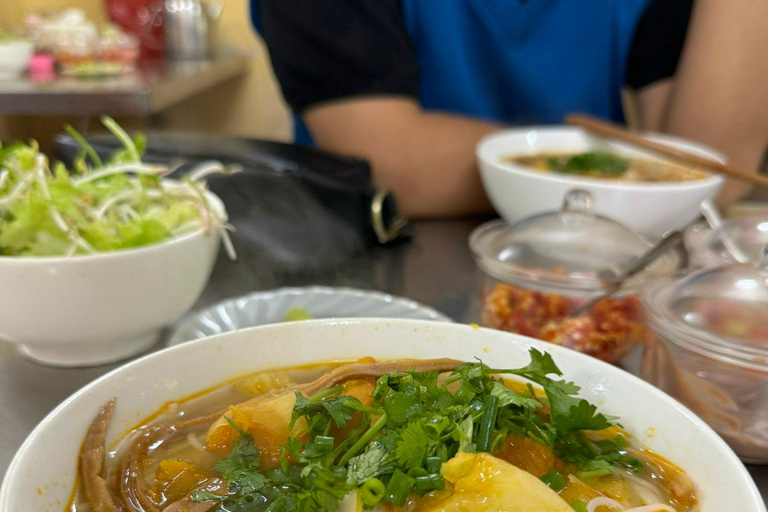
555,480
198,496
589,164
395,447
241,467
399,488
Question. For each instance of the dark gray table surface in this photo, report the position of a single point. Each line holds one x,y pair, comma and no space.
436,268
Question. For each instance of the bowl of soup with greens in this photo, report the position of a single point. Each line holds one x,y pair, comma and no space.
383,415
530,170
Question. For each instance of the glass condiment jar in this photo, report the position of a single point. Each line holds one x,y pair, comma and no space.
708,247
538,271
708,347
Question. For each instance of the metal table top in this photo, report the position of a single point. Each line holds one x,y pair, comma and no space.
436,269
155,86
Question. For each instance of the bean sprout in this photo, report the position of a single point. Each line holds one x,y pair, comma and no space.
134,168
49,212
18,190
206,169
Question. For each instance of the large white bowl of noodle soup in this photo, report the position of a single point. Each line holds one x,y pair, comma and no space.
649,208
42,474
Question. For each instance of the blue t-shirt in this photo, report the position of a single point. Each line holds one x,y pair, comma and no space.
510,61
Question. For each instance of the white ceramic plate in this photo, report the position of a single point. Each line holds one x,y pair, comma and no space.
262,308
41,475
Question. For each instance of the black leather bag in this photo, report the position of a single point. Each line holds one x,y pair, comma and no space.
301,206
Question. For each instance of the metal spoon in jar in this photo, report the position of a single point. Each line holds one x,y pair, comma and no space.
667,242
711,214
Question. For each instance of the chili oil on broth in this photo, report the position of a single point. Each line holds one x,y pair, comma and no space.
176,467
607,166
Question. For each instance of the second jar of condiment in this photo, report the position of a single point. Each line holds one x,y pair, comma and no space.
708,347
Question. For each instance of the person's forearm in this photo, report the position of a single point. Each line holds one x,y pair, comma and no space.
720,95
426,159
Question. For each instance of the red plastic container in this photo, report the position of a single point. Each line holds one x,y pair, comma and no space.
144,19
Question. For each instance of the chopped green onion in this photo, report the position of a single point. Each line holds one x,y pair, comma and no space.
417,472
436,425
399,488
296,314
324,443
579,506
487,423
595,473
372,491
555,480
434,464
428,483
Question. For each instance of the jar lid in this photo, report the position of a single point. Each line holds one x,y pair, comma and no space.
713,247
721,310
572,247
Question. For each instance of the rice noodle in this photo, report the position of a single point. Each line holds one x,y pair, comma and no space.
645,490
195,442
652,508
603,501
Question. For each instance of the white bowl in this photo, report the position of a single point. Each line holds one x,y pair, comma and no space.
38,481
270,307
14,58
94,309
651,209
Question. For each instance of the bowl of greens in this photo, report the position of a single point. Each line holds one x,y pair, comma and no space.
97,259
529,170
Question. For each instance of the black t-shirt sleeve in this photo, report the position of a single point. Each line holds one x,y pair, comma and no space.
658,42
323,50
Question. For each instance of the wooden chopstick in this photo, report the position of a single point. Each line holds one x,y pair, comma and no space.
615,131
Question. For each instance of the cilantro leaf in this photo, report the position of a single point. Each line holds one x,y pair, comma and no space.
414,445
507,397
401,406
339,412
537,370
569,415
375,461
241,467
